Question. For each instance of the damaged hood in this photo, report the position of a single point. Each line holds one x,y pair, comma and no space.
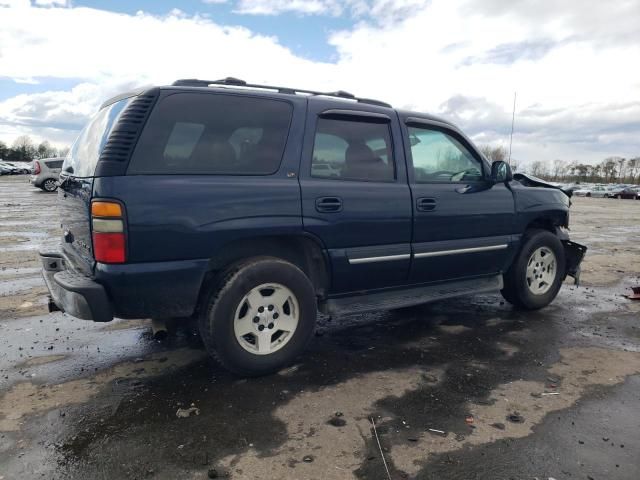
531,181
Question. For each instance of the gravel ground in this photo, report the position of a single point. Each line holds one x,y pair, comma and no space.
461,389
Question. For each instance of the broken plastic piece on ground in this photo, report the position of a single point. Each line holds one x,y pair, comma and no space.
469,419
187,412
635,295
515,417
442,433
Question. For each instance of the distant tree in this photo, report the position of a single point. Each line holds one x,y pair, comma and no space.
621,168
538,168
23,149
45,150
609,170
62,152
582,171
559,169
494,154
633,166
4,151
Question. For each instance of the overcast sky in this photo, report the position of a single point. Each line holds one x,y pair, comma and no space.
574,63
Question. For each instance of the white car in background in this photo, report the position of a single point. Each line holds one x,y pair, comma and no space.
601,192
583,192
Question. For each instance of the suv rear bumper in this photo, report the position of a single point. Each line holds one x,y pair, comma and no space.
73,292
139,290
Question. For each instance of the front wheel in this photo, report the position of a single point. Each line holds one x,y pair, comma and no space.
536,275
260,317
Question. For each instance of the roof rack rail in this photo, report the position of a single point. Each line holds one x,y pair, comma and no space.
236,82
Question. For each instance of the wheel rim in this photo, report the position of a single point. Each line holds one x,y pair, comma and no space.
541,271
266,318
50,185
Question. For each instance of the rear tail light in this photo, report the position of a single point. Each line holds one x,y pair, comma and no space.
109,237
36,168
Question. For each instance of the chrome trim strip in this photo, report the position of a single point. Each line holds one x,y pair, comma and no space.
386,258
460,250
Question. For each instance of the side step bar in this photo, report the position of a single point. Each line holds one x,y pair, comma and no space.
388,300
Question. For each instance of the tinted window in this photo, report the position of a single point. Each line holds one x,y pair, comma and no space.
84,153
55,163
352,150
440,157
205,133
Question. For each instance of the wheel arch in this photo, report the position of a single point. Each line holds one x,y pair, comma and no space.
550,223
302,250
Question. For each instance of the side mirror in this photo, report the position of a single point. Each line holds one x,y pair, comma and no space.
501,172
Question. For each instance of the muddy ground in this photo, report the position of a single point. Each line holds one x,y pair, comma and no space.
461,389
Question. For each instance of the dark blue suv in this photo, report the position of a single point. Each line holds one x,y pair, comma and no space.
252,207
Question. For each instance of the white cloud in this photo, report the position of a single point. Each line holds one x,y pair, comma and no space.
53,3
379,11
576,76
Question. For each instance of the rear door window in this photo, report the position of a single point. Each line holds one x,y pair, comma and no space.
205,133
352,150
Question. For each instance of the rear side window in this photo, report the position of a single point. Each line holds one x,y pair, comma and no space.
54,163
83,156
192,133
352,150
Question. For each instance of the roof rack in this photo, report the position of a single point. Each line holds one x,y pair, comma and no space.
236,82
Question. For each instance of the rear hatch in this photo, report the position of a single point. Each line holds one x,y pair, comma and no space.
76,186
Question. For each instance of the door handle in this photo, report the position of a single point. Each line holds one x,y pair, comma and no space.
328,204
426,204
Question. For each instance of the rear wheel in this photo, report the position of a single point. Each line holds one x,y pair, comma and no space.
260,317
536,275
50,185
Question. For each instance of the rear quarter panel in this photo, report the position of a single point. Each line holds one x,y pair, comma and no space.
182,217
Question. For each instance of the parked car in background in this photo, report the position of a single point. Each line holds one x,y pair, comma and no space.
46,173
5,171
600,192
583,191
629,193
14,169
325,170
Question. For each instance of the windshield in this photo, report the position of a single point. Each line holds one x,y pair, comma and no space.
83,156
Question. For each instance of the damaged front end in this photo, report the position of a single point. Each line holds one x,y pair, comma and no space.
531,181
573,252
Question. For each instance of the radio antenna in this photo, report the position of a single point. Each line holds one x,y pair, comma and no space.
513,119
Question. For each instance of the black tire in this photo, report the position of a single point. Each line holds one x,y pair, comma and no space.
49,185
516,288
216,322
588,194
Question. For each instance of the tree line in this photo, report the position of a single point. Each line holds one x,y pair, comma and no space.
609,170
23,149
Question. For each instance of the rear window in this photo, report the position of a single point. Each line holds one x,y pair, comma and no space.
204,133
83,156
